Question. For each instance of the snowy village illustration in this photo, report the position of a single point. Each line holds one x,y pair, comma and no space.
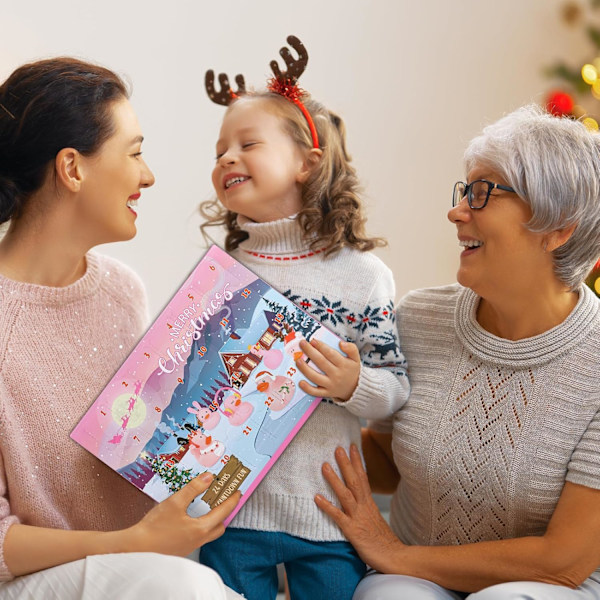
212,386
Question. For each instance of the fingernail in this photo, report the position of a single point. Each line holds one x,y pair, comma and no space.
206,477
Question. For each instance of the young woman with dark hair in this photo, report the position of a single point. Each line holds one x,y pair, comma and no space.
71,173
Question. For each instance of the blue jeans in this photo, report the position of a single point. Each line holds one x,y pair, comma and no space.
247,562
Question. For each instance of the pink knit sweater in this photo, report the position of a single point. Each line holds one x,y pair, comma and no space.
58,348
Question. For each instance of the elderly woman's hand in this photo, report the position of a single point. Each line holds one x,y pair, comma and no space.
359,519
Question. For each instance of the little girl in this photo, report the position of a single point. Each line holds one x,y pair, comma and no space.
289,201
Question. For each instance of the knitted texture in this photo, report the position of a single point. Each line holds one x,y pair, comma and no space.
58,348
493,428
352,293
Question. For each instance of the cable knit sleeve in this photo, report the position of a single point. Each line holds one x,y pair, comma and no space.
584,467
6,518
383,385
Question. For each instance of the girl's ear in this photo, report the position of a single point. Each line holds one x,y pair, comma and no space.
68,167
557,238
311,160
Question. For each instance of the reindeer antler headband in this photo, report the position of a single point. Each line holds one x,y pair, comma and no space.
283,83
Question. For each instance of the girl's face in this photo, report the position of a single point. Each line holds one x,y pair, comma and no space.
259,169
112,179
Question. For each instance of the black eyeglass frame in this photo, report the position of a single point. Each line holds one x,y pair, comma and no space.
468,193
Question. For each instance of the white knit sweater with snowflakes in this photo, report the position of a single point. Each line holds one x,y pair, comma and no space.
493,428
352,293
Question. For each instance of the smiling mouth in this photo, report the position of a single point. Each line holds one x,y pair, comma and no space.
235,181
132,205
470,244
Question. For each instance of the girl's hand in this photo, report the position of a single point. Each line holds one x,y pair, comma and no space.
359,518
340,373
168,529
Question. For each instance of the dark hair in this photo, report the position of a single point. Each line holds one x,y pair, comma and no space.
332,214
46,106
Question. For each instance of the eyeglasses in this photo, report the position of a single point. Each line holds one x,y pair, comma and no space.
477,192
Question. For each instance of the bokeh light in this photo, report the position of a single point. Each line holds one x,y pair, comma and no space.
589,73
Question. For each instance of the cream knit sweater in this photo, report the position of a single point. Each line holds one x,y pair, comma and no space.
352,293
58,348
493,428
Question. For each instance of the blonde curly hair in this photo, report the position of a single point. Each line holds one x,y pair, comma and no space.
332,213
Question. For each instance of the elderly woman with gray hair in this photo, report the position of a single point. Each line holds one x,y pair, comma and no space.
495,457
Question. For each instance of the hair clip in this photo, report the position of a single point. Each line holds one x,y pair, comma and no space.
283,83
8,112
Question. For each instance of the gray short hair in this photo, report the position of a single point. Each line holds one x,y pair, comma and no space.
554,165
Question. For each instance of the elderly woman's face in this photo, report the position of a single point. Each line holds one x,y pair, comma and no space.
499,254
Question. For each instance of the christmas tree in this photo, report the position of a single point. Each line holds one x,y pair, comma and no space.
578,84
593,279
294,318
577,91
172,476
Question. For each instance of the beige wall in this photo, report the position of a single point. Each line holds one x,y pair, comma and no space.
413,80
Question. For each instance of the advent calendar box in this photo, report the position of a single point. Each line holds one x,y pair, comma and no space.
211,386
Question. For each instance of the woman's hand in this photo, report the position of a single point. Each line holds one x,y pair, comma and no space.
359,519
565,555
339,374
168,529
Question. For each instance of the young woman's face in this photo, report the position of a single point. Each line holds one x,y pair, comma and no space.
259,168
112,179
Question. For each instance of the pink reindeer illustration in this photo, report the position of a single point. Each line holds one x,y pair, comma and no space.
279,389
205,450
116,439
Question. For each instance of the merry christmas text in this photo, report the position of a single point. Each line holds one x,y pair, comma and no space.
187,335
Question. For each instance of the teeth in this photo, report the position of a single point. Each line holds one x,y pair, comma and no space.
234,180
132,203
470,243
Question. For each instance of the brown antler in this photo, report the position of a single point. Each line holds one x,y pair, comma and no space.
225,95
295,67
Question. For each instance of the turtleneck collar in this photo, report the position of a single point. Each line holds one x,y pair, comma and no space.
42,294
277,238
528,352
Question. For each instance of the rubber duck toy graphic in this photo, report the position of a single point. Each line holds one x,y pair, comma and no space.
292,345
235,409
279,388
206,450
